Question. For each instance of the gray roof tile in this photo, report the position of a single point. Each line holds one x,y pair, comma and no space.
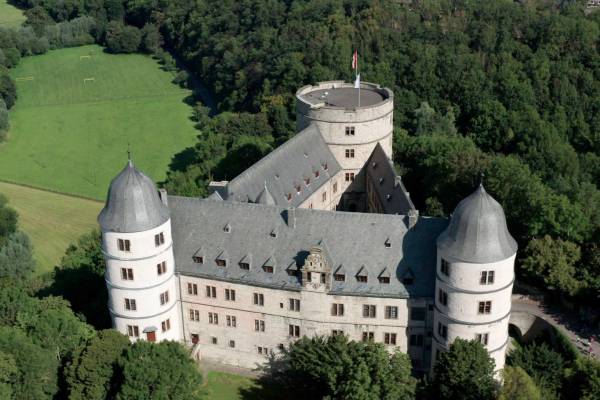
351,239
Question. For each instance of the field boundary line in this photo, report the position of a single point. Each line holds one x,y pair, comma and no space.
126,98
27,185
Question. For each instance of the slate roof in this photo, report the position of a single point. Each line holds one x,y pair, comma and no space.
353,240
132,204
286,168
477,232
388,184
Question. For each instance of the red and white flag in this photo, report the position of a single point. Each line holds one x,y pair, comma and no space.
355,60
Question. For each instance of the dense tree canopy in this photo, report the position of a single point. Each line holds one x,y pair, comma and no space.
517,385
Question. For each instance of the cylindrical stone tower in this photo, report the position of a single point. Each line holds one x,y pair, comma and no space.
136,242
351,127
474,277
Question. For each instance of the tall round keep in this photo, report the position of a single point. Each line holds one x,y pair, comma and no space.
474,277
351,120
137,247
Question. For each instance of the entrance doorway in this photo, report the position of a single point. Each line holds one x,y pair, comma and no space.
151,336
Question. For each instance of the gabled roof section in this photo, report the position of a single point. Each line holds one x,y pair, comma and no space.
340,270
285,168
247,259
271,262
388,185
385,273
223,256
362,271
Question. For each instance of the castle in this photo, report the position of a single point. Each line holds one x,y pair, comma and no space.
320,237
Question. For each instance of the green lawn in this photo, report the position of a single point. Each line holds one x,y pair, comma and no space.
76,113
224,386
10,16
51,220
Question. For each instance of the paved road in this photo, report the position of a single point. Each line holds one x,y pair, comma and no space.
570,325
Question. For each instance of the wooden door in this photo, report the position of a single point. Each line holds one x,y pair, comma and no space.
151,336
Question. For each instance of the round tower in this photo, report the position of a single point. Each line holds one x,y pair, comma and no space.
474,277
137,246
351,120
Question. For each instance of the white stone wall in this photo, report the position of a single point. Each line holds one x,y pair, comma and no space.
373,124
146,286
332,199
461,314
314,318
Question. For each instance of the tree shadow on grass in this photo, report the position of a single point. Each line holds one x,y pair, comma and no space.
271,385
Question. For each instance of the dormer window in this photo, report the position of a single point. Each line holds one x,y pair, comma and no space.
339,277
384,279
387,243
244,266
298,189
273,233
268,269
227,228
198,259
221,263
317,173
289,197
361,278
324,166
307,181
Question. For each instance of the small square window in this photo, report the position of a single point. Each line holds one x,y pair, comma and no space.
221,263
350,131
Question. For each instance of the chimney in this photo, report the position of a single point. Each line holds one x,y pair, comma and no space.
291,217
412,217
162,193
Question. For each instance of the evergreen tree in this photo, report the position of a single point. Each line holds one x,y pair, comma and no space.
464,372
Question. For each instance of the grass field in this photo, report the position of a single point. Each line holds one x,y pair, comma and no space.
76,113
51,220
10,16
224,386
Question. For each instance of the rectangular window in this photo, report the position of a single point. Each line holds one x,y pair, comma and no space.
230,294
164,298
259,299
259,325
213,340
194,315
165,325
324,197
485,307
368,336
349,153
349,131
442,330
124,244
482,338
294,305
221,263
369,311
362,278
192,289
159,239
384,279
417,313
442,297
231,321
211,291
445,267
486,277
268,269
130,305
232,343
335,187
389,339
161,268
245,266
337,309
294,330
127,274
213,318
198,259
339,277
391,312
133,331
349,176
416,340
337,332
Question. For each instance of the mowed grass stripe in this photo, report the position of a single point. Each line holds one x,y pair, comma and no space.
52,221
71,137
10,16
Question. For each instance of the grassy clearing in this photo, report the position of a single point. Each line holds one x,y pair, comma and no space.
52,221
77,111
224,386
10,16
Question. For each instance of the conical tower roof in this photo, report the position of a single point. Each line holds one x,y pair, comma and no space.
132,203
477,232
